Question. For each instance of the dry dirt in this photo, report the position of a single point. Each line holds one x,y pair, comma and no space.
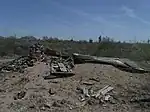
62,94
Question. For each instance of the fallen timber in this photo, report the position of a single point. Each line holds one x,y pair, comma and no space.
124,66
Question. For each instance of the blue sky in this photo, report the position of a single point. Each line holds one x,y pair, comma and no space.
83,19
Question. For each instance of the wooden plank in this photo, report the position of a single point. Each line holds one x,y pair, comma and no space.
103,91
100,91
62,67
107,90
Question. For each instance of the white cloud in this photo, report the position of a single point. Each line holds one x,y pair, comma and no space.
98,19
79,12
131,13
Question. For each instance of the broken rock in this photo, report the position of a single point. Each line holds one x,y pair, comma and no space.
82,98
93,101
86,92
57,104
45,106
51,91
20,95
106,98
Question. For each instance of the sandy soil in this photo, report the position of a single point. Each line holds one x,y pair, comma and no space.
62,94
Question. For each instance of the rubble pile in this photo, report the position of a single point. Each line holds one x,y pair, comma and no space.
36,53
101,96
17,65
58,64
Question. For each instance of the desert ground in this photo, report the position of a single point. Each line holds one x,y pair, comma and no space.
30,92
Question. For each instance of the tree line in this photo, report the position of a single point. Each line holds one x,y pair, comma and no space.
104,46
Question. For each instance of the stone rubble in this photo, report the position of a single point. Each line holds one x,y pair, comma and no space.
37,53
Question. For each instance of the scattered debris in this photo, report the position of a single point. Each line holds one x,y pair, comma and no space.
36,53
60,66
81,98
106,98
53,81
135,100
1,90
95,97
32,106
107,90
86,92
20,95
44,106
51,91
93,101
57,103
103,91
87,83
95,79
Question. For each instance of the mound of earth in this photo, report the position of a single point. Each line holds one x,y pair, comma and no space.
30,92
